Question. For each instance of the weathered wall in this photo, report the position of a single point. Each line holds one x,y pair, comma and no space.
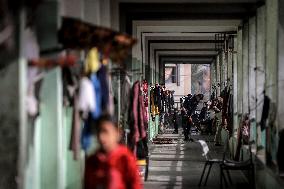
245,69
281,65
260,69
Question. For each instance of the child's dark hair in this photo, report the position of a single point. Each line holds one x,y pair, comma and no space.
105,118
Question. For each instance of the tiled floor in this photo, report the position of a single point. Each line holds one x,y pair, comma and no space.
179,166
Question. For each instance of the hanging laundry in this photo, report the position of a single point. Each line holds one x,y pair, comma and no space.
31,101
70,85
31,51
265,112
92,63
76,130
125,94
102,76
87,95
110,108
134,113
98,96
86,139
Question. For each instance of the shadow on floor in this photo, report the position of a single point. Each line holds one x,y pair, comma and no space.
179,166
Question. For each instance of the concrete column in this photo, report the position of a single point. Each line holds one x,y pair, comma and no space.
235,85
252,76
252,65
281,65
51,161
222,71
213,75
230,68
271,46
245,75
10,125
105,17
218,74
240,70
260,69
187,78
91,11
271,85
72,8
225,68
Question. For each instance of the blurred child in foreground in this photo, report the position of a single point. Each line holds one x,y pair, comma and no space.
113,166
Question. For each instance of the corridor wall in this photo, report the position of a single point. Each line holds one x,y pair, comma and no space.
256,63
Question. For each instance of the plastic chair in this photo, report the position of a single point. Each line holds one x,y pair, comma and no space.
209,161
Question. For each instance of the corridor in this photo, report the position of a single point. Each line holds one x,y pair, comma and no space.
116,94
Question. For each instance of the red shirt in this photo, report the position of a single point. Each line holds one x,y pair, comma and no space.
117,170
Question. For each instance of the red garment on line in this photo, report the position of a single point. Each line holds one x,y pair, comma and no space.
117,170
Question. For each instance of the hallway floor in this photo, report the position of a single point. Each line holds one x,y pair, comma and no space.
179,165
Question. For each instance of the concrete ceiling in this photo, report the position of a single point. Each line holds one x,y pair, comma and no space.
181,31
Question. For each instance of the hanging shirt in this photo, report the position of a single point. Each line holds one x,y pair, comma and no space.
86,102
102,76
117,170
98,96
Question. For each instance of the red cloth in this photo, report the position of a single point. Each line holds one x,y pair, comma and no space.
136,112
117,170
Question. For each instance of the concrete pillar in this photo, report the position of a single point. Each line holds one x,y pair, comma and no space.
252,65
186,78
225,68
235,84
91,11
260,69
218,74
72,8
240,70
271,85
52,163
245,69
10,121
281,65
230,68
252,76
213,75
271,46
221,68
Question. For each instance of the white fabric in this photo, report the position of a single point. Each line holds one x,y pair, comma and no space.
31,101
111,99
205,147
86,101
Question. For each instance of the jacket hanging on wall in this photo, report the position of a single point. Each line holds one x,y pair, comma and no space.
265,112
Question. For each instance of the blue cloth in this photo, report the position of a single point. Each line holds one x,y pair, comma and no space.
103,78
98,96
86,139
